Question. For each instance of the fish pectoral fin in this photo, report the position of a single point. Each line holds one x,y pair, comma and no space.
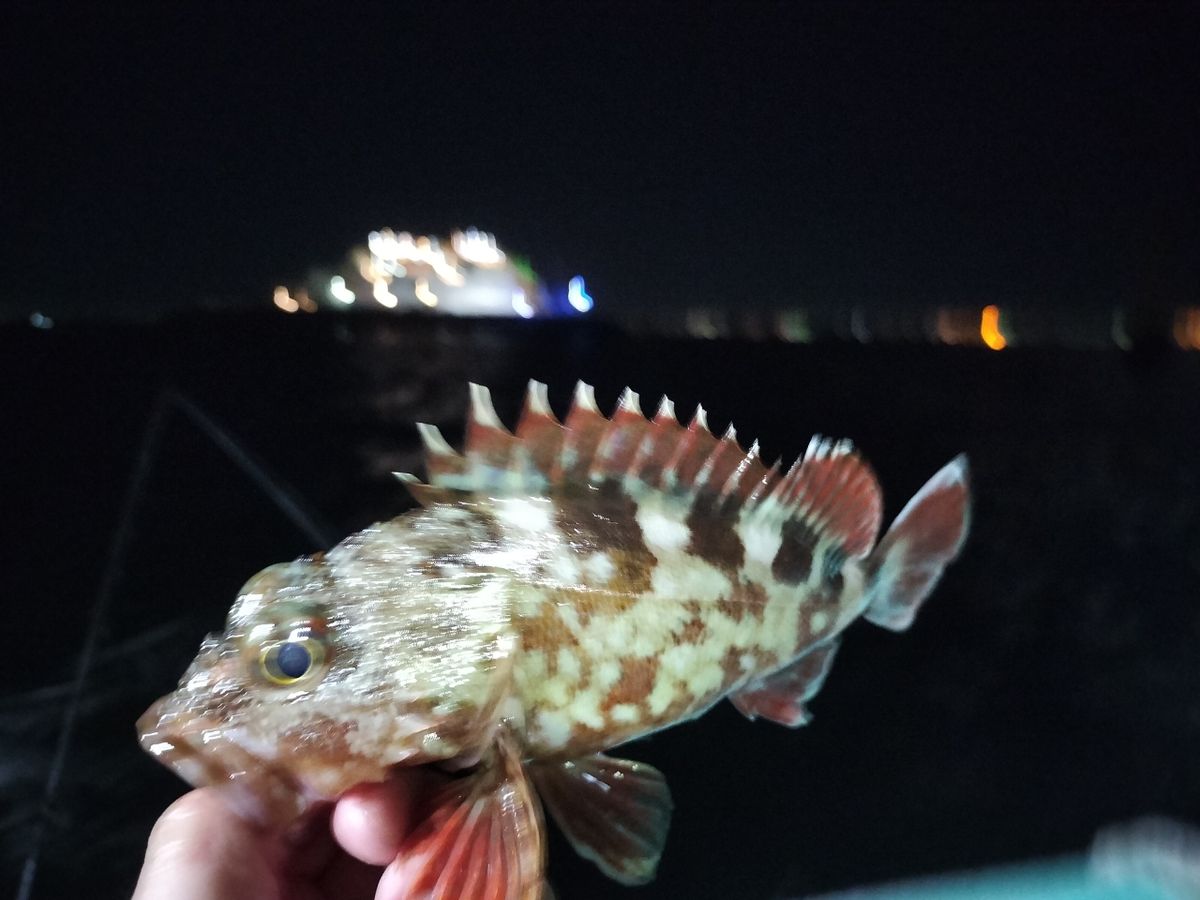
615,812
781,697
481,837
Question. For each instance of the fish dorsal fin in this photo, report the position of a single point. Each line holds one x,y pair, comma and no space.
830,490
830,493
588,449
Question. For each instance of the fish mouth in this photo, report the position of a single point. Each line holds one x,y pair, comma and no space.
200,751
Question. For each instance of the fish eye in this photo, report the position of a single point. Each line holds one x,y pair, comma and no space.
287,661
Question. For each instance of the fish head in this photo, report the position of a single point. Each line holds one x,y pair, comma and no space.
335,668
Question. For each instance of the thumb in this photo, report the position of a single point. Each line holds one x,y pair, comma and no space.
201,850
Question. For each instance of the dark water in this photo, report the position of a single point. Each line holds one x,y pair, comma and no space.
1049,688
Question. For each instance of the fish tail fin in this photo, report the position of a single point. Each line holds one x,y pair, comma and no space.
927,535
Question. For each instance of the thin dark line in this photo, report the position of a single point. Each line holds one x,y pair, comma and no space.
284,497
274,487
108,582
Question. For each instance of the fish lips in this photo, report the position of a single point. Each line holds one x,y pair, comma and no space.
199,750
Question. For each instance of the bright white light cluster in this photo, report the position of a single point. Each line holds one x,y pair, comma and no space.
392,254
464,274
520,304
477,247
339,291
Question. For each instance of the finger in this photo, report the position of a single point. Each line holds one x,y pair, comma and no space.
371,821
201,850
349,879
308,845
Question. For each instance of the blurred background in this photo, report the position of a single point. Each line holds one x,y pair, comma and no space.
245,248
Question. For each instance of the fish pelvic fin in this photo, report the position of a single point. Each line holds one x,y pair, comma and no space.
481,837
615,812
783,695
925,538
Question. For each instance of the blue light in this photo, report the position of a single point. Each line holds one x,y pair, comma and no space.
578,297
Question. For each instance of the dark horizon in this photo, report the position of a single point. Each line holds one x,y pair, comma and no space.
869,153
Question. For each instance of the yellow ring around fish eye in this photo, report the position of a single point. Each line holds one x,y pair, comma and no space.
292,660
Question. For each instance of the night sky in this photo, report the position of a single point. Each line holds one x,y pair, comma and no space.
752,153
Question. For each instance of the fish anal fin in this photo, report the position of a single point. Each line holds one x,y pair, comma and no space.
481,838
781,697
615,812
924,539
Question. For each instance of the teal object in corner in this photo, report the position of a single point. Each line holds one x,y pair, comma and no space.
1064,880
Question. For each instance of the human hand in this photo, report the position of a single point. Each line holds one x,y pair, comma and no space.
200,849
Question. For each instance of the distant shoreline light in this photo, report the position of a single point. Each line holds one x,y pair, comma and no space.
989,328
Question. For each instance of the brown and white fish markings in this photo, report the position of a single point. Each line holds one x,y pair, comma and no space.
561,591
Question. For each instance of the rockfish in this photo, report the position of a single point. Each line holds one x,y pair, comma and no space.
559,591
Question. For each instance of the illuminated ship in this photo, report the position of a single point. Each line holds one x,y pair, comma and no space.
471,276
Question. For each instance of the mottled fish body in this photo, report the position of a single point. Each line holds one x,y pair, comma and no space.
561,590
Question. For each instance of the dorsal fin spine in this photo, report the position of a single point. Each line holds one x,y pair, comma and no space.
765,484
434,443
829,487
779,491
658,446
490,447
720,458
584,398
666,411
812,490
482,411
444,465
629,400
582,429
539,436
693,448
620,441
537,400
732,489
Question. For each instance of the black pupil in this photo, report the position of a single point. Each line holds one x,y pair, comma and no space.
293,660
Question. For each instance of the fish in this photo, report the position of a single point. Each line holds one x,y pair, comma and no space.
558,591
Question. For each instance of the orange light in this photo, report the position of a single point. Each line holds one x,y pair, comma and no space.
1187,328
284,300
305,302
989,328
